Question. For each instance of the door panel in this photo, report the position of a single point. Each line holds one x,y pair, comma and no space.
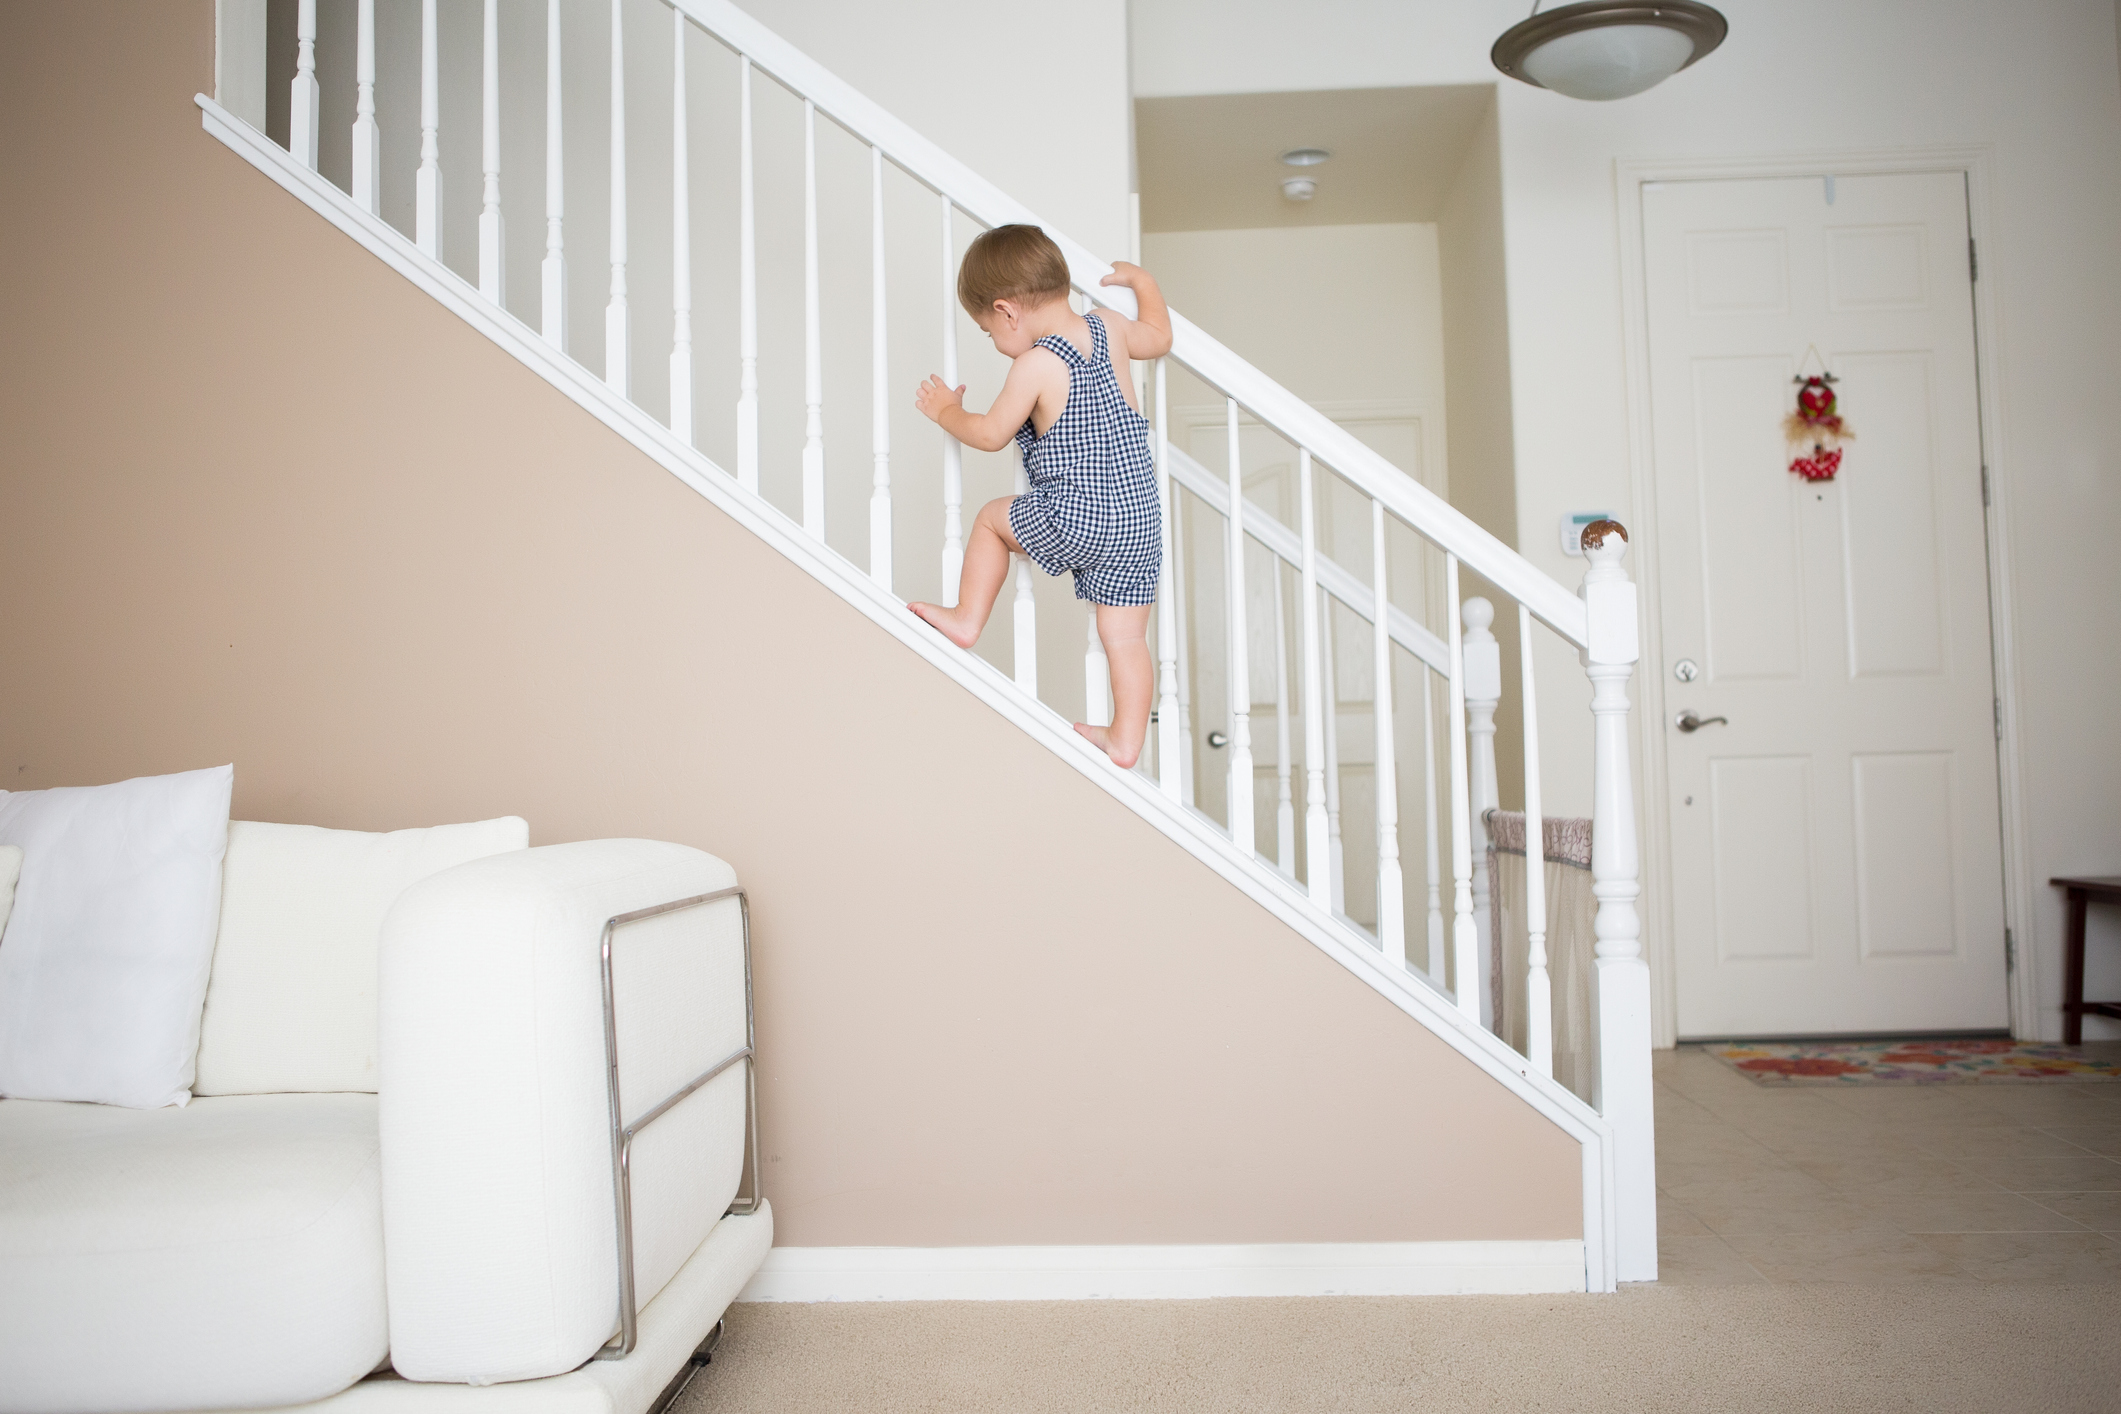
1752,547
1762,813
1835,853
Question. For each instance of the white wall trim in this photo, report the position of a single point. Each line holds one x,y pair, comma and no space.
1167,1273
1977,164
1282,898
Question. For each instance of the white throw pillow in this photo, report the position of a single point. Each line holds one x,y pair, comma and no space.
292,1001
104,968
10,871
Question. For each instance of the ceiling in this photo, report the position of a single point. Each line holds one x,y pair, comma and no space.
1213,163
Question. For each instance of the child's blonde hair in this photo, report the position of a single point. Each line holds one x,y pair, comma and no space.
1018,263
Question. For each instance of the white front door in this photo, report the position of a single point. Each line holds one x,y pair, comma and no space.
1836,859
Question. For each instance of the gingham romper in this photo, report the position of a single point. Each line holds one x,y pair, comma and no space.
1092,506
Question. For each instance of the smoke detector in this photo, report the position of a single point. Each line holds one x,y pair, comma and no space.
1299,189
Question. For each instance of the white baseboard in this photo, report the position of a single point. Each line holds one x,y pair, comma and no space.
1166,1273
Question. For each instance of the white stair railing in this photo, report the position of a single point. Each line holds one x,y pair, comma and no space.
1600,625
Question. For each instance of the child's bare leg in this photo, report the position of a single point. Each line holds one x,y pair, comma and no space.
987,552
1124,632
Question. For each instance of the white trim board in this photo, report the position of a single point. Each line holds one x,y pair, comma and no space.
1283,898
1654,822
1175,1273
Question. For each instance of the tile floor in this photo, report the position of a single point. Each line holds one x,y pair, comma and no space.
1879,1183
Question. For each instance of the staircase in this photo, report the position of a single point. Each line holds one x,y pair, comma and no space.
1299,872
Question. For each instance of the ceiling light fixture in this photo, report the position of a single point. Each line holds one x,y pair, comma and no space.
1305,156
1299,189
1603,49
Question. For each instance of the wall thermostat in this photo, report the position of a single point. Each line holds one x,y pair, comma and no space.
1572,526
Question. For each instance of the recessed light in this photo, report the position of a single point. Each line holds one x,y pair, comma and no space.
1299,189
1305,156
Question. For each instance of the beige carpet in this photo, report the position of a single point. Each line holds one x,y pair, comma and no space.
1924,1349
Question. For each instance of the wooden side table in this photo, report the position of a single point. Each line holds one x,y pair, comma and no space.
2104,889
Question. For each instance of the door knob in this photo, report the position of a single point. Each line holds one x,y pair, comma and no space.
1687,722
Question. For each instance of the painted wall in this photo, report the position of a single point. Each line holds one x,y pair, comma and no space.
271,504
2036,85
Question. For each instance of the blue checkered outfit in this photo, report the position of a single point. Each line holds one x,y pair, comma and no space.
1092,507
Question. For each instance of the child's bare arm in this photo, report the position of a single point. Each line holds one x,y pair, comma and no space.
991,430
1148,334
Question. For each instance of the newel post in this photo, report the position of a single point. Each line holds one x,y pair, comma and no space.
1623,1093
1483,696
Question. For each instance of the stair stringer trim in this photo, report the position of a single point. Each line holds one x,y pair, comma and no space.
1265,886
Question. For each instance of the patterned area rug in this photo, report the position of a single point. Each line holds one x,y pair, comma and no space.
1914,1063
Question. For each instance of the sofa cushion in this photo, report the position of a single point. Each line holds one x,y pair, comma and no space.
111,936
10,871
292,1001
222,1255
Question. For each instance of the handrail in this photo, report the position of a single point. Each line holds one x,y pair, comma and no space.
1429,514
1333,577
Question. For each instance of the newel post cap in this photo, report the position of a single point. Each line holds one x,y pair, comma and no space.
1609,596
1483,654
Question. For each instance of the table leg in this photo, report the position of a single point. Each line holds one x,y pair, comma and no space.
2073,972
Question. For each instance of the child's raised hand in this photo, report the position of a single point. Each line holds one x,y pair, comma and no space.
936,395
1123,273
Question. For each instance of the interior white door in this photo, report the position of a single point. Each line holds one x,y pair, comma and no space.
1836,859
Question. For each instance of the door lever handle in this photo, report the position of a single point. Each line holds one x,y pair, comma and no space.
1687,722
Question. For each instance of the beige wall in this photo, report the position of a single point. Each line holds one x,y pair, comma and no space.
268,503
2034,84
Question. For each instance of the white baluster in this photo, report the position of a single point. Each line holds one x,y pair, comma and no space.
1483,660
1623,1093
747,347
879,384
1026,609
680,244
303,100
1437,970
1336,858
1240,655
1318,840
1285,802
1181,557
427,183
618,322
813,353
953,452
491,248
552,307
1391,892
1170,759
1539,991
1465,938
1097,678
367,138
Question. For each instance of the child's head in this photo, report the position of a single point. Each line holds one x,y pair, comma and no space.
1017,266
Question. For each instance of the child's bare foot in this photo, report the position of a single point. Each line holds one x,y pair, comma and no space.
946,623
1123,754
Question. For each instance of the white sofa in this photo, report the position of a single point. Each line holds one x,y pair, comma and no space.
399,1184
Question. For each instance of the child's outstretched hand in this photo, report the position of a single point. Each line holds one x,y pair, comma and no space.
935,395
1123,273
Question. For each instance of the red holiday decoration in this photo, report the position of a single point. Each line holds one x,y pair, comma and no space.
1815,430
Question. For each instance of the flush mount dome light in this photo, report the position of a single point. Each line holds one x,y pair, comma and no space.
1305,156
1602,49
